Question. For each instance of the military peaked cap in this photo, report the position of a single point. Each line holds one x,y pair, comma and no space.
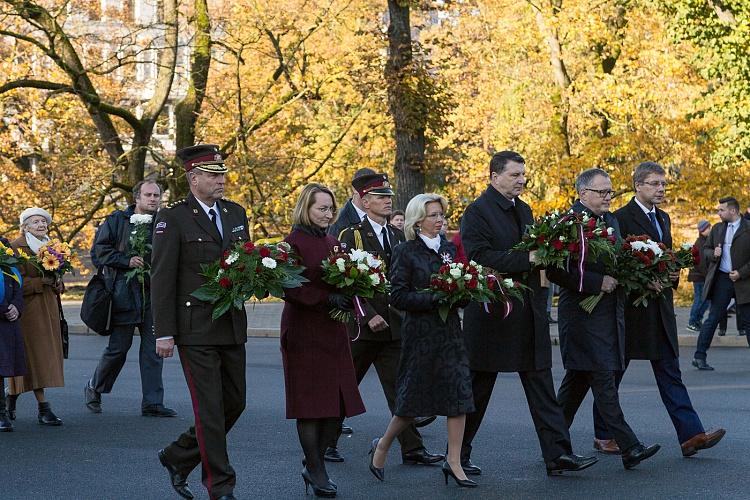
206,157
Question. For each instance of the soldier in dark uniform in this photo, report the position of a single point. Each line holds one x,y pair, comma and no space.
191,232
378,337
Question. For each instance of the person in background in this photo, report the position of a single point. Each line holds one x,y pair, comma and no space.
397,219
12,356
697,276
40,323
352,212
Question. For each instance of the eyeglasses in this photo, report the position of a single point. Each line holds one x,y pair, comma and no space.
323,210
655,184
603,193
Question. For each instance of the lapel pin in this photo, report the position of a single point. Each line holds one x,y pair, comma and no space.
224,210
195,211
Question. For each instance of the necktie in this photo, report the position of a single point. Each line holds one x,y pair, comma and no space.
652,216
386,244
212,215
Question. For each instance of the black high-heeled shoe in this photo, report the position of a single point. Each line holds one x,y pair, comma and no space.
464,483
320,491
334,485
376,471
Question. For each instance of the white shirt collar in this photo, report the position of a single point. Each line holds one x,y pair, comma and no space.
360,212
432,243
378,228
643,207
206,208
735,223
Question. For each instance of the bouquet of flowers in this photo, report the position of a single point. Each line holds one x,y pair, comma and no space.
9,260
246,271
639,262
557,238
139,247
686,256
357,274
457,283
54,257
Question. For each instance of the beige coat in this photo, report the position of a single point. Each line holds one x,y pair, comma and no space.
40,327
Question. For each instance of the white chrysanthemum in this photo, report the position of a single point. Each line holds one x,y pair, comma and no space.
455,272
141,219
686,246
642,246
479,268
508,283
373,262
268,262
375,279
363,267
610,231
341,264
358,255
233,258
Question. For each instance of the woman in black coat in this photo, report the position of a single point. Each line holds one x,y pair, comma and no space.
433,377
12,357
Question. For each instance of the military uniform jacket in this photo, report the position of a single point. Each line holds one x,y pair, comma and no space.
379,304
185,238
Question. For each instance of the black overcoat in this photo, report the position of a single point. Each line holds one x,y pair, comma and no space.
348,216
377,305
490,227
647,328
595,341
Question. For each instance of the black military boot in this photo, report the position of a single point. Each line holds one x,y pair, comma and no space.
5,424
46,417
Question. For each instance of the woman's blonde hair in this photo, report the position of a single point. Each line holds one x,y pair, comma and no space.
301,214
416,212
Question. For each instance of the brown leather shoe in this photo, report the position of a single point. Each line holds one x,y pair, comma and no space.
606,446
702,441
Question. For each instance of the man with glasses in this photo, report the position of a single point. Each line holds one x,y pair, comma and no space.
519,342
651,331
727,252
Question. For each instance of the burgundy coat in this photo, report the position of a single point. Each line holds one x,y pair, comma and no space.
318,366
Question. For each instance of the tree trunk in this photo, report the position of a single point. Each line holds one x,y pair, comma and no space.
409,128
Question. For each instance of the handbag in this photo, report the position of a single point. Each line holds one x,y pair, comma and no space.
96,308
63,329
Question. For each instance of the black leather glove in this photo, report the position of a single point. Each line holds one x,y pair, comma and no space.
341,302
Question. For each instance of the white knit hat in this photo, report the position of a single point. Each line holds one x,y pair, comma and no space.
30,212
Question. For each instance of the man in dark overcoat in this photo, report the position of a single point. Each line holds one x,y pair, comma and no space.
592,344
189,233
377,337
353,211
490,227
727,251
651,331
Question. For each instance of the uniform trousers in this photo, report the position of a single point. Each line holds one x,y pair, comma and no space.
546,413
215,376
573,390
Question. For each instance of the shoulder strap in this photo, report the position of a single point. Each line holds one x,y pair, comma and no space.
358,239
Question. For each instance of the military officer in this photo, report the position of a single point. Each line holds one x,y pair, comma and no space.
191,232
378,339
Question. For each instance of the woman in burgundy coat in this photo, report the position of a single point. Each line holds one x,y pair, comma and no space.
321,386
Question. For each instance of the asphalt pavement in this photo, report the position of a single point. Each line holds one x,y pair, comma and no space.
113,455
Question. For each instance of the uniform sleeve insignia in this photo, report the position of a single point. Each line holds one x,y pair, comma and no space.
160,227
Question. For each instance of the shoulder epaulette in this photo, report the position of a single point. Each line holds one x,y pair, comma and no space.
176,203
231,202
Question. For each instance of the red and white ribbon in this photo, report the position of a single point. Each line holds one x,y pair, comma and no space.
581,256
359,313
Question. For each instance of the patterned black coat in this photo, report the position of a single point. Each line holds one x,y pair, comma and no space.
434,376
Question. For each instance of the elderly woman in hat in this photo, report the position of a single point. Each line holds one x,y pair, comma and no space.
40,322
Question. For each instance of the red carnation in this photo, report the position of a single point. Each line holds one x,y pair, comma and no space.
248,247
445,268
591,223
264,252
225,283
557,245
472,284
540,239
492,283
282,257
572,247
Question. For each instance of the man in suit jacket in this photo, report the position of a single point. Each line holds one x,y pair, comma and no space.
353,210
490,227
377,338
651,331
191,232
592,344
727,251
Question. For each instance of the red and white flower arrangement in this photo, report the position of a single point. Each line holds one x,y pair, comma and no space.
356,274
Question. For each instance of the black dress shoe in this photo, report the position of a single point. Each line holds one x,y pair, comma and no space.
421,456
46,417
469,468
179,482
702,365
92,398
424,421
332,455
345,429
157,411
637,454
569,463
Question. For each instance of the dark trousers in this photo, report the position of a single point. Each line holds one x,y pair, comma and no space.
673,394
113,359
546,413
721,294
573,390
385,357
215,376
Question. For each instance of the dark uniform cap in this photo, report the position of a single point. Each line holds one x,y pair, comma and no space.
206,157
373,184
